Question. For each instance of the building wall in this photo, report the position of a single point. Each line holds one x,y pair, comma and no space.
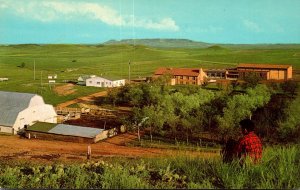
105,134
4,129
98,82
290,72
36,100
272,74
49,136
277,74
180,79
102,82
29,116
117,83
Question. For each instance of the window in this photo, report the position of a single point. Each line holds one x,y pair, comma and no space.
98,82
181,77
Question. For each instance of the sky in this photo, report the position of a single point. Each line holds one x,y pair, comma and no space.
97,21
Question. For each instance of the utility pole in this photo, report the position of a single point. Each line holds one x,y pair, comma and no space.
129,71
34,70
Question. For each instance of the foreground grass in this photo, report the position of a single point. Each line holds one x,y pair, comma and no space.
279,169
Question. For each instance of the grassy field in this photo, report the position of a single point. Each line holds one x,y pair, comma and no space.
71,61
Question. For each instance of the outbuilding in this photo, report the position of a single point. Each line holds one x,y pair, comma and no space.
18,110
71,133
104,82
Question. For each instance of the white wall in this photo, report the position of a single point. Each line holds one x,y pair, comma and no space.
4,129
102,82
36,100
117,83
42,113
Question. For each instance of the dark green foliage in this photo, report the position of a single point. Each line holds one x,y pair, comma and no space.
252,79
290,87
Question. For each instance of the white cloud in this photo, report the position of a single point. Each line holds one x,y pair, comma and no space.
52,10
251,25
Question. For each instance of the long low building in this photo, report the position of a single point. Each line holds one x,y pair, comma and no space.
71,133
104,82
193,76
18,110
265,71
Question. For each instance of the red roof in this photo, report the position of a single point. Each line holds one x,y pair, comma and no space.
263,66
178,71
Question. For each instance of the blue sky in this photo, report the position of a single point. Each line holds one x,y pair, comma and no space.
97,21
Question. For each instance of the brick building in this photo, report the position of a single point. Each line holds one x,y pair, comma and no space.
182,75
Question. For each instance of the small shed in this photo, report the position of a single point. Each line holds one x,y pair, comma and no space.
64,132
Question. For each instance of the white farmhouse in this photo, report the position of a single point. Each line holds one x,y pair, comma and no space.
82,79
103,82
20,109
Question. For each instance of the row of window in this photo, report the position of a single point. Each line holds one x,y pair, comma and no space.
186,77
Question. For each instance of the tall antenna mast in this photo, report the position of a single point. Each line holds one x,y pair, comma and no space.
34,70
129,71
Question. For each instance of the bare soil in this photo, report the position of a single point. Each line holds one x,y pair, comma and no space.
65,90
15,148
88,98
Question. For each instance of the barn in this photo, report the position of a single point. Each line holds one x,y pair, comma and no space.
23,109
104,82
64,132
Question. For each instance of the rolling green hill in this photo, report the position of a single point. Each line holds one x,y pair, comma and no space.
185,43
161,43
71,61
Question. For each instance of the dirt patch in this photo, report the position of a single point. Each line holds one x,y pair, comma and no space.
89,98
65,90
43,151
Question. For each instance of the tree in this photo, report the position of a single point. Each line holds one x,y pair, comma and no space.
289,128
290,87
112,95
156,118
240,107
252,79
135,96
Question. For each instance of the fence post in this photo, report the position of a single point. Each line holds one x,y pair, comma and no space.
89,152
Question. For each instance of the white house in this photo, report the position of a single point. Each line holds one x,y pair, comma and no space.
20,109
103,82
82,79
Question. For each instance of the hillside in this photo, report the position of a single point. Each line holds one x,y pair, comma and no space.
162,43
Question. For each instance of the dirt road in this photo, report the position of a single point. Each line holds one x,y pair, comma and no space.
83,99
15,148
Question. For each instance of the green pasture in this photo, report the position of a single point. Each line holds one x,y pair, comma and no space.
71,61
